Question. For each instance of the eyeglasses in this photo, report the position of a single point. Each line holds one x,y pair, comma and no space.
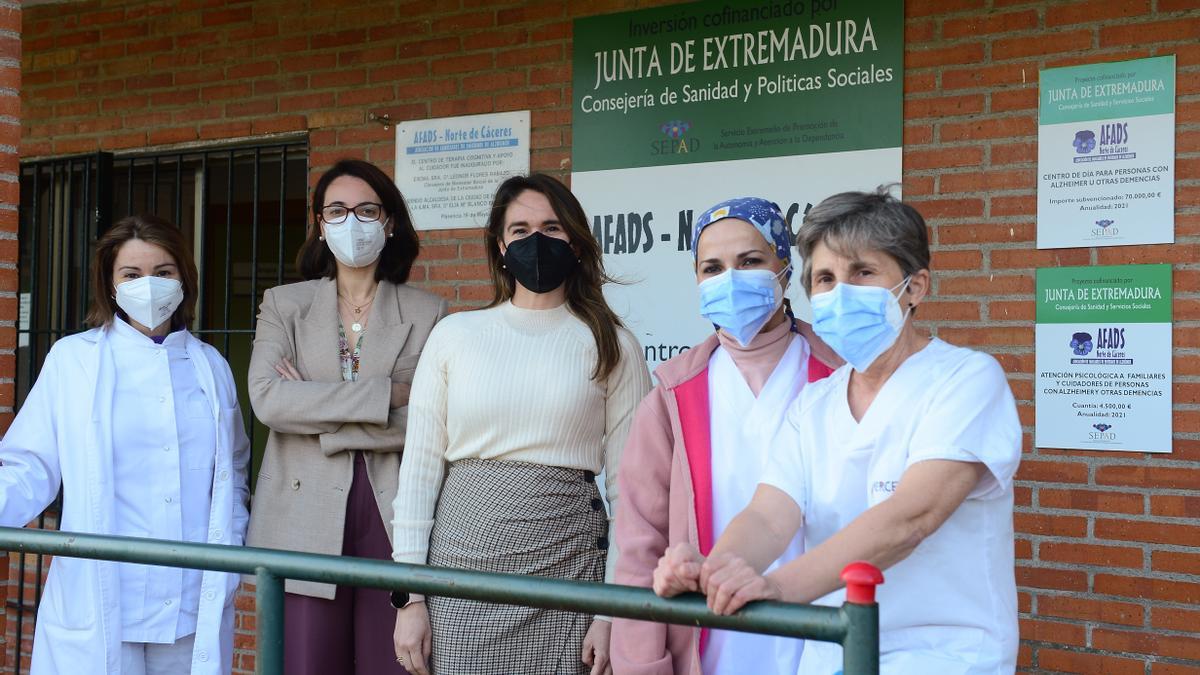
367,212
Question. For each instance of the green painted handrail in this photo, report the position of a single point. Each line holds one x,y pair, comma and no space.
855,626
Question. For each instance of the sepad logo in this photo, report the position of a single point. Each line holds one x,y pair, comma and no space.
1102,433
1105,229
676,141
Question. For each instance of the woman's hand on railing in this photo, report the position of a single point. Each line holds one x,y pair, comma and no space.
730,582
595,647
412,639
678,571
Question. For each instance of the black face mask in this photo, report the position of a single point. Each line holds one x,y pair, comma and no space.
540,263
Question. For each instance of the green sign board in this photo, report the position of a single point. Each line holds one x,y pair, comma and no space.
710,81
1120,293
1108,90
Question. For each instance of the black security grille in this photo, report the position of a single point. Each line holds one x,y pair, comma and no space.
243,208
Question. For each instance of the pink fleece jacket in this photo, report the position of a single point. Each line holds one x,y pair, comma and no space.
666,494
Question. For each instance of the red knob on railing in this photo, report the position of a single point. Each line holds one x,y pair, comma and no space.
861,578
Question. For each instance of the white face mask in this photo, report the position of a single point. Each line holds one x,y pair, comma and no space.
355,243
150,300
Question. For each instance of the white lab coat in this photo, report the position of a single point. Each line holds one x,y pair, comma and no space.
63,435
742,426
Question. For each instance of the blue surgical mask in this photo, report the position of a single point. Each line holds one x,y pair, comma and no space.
859,322
741,301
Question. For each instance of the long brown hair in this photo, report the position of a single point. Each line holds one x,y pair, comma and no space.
315,260
152,230
585,297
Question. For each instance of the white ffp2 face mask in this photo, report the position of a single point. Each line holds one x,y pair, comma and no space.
355,243
150,300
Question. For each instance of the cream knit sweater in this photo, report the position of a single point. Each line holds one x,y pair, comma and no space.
507,383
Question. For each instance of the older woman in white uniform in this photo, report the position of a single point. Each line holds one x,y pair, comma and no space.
904,458
138,421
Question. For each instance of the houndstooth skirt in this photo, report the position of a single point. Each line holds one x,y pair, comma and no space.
516,518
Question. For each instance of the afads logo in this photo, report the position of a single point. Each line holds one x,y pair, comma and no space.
676,141
1085,142
1108,347
1114,139
1110,142
1081,344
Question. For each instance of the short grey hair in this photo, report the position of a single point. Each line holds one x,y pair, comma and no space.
851,222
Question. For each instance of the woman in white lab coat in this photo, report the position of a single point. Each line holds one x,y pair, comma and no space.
138,422
904,458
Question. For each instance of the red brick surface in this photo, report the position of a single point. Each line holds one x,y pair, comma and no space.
10,135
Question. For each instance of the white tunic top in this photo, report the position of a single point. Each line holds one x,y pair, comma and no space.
741,427
951,606
164,443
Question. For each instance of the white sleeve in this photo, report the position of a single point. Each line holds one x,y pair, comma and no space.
30,474
423,465
786,469
973,418
240,452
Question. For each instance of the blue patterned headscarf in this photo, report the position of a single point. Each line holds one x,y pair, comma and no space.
764,215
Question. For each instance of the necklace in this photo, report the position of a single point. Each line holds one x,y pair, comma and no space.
357,326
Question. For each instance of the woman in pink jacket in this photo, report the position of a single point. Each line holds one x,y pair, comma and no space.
698,440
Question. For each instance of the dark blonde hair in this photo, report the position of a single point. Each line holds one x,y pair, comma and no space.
152,230
585,297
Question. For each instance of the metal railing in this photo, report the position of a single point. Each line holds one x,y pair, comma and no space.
855,625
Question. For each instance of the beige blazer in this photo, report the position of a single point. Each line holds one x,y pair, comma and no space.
300,498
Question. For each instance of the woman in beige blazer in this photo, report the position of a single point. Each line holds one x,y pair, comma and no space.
333,361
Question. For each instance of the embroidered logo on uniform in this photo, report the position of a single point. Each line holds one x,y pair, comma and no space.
887,486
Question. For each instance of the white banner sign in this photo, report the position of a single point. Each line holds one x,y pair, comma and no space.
1104,358
1106,154
448,169
642,218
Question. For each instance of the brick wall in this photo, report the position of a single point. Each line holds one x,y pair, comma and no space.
10,138
1108,544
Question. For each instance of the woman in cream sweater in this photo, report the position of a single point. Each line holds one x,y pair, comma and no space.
515,409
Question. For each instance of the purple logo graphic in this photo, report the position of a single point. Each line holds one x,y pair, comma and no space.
1085,141
1081,344
1105,222
677,139
1102,427
675,128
